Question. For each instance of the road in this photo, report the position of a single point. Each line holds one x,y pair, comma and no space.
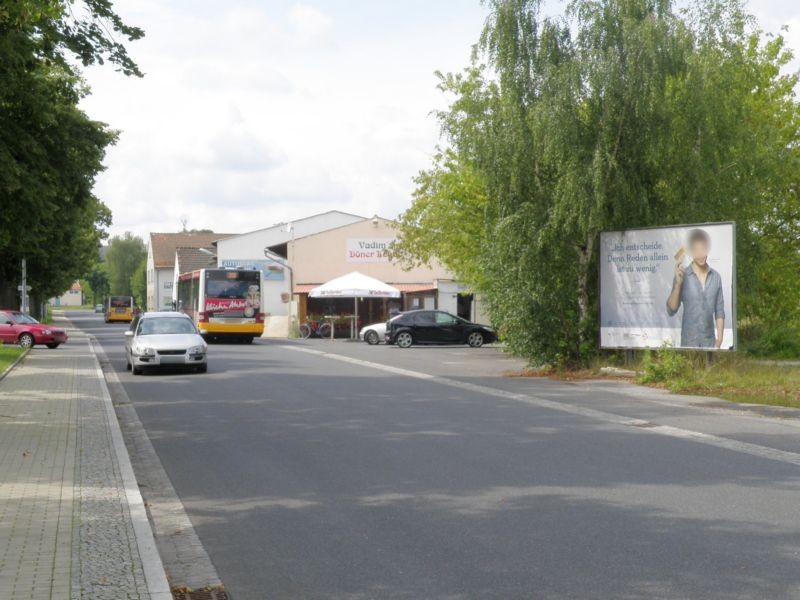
335,470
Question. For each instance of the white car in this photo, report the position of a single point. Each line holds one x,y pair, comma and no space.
373,334
164,339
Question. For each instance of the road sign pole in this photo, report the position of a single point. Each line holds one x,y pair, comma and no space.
24,307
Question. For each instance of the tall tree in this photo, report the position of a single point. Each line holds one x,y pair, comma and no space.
139,284
125,254
620,113
50,150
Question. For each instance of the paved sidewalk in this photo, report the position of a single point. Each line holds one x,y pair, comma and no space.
72,523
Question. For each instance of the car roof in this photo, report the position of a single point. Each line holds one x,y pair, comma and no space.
164,313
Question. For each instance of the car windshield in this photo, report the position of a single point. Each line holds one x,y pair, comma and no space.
165,326
23,319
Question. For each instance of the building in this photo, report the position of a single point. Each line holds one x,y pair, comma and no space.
309,252
72,297
247,250
362,246
162,249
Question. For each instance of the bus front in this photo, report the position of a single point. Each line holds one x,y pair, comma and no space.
119,308
230,306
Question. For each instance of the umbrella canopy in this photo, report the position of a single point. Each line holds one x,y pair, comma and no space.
354,285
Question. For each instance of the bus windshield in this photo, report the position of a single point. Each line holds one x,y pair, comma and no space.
233,285
120,301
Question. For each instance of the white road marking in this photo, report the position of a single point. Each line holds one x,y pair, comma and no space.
775,454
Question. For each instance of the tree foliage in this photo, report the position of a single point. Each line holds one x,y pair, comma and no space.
125,254
620,113
50,150
139,284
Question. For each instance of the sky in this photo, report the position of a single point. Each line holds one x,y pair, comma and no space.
258,112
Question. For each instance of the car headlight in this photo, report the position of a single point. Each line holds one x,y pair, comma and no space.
197,350
48,332
144,351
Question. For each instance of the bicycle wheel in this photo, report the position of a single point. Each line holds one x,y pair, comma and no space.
324,330
305,331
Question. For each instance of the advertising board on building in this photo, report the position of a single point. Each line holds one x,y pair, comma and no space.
669,285
270,270
367,250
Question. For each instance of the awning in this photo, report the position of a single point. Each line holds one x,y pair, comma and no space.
410,288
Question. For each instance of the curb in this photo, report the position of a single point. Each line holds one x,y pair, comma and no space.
14,364
153,568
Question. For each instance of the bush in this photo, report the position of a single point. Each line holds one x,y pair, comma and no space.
665,365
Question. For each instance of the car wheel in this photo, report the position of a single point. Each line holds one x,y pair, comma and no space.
475,339
53,346
26,340
371,337
136,370
404,339
202,369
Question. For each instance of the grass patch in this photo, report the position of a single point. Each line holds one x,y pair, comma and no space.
743,380
733,377
8,354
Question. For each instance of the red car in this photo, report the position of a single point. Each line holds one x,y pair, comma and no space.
22,329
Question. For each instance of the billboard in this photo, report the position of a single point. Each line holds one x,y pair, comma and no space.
270,269
669,285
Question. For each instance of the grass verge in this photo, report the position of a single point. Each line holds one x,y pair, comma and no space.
730,377
742,380
8,354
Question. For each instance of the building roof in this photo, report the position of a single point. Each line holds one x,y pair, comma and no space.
192,259
164,245
303,219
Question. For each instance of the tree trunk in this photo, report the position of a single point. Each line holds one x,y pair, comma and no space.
584,264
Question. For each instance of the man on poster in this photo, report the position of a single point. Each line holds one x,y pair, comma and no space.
698,288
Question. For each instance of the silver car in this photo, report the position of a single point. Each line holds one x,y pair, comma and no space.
373,334
164,339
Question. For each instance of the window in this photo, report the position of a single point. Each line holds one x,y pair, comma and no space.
4,320
445,319
166,326
424,319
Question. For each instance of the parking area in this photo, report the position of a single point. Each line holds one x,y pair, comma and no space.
444,361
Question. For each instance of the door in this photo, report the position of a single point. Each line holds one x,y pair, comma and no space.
424,327
7,332
449,329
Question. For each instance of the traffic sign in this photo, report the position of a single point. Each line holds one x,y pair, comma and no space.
27,288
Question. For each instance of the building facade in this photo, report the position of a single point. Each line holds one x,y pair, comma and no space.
247,250
161,252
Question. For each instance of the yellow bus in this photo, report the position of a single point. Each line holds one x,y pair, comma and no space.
223,303
119,308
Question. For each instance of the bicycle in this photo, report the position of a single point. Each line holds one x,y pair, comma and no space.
316,328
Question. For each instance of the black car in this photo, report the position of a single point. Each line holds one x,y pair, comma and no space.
436,327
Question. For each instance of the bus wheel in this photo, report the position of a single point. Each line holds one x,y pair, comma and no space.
248,340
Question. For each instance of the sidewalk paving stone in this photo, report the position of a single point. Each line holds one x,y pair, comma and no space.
66,529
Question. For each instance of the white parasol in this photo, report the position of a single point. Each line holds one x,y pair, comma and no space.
354,285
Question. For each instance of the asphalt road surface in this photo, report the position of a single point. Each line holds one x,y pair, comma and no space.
335,470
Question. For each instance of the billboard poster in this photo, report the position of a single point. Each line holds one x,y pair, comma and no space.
367,250
670,285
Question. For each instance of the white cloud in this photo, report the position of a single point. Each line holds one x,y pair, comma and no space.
310,24
253,113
